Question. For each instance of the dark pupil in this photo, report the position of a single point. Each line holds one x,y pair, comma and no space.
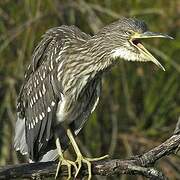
129,32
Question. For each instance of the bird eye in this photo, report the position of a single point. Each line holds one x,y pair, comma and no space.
129,32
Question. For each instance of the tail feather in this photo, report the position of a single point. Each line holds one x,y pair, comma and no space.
20,137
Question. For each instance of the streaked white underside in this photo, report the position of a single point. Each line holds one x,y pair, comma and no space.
127,55
124,53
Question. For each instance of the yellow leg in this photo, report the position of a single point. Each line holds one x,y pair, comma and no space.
80,157
63,161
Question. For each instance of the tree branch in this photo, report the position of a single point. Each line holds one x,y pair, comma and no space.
141,164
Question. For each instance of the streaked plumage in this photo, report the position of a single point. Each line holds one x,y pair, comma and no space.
63,82
48,93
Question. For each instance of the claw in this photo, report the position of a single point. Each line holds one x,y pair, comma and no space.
97,159
87,161
74,165
67,163
63,161
69,170
79,162
57,170
89,168
80,159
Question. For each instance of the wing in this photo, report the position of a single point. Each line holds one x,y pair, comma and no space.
41,92
36,104
86,104
57,38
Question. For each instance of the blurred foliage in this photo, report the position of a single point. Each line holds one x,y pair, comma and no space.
140,103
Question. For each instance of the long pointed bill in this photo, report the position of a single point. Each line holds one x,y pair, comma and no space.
134,41
149,34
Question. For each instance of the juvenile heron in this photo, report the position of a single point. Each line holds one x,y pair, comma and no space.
63,82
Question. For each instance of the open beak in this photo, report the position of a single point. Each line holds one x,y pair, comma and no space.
135,41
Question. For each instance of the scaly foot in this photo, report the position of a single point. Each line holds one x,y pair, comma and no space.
80,159
63,161
68,163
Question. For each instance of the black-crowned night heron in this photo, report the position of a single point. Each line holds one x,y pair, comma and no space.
63,83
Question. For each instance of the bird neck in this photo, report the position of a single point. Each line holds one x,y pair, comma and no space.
89,61
96,56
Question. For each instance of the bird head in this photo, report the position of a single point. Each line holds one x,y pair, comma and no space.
125,38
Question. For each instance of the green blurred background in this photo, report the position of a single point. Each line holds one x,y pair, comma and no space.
140,103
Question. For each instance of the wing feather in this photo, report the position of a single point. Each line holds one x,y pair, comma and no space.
41,91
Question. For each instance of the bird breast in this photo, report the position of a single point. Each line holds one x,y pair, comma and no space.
60,114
